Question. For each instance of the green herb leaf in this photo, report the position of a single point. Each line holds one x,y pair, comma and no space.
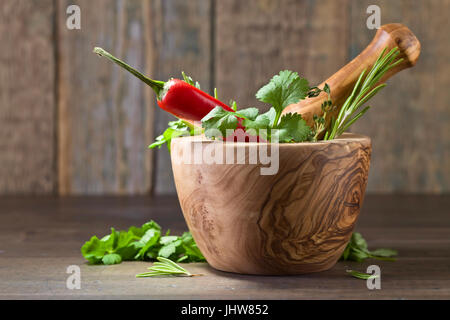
170,249
141,243
384,253
94,250
233,105
262,121
176,129
358,241
112,258
365,88
292,128
361,275
149,239
168,239
283,89
249,113
357,250
190,248
218,121
189,80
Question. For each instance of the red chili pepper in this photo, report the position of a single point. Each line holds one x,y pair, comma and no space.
175,96
186,101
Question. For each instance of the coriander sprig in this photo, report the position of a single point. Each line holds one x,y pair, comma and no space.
357,250
166,267
364,89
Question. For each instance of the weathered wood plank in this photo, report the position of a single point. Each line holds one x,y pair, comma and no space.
105,114
182,33
409,122
33,266
27,97
257,39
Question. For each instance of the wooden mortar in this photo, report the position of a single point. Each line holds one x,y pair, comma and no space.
296,221
300,219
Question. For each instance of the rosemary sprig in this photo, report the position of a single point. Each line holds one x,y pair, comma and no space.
166,267
365,88
361,275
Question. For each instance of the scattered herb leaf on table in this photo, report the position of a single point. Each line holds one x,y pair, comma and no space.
358,251
166,267
141,243
362,275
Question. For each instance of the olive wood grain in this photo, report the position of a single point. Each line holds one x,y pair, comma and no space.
342,82
298,220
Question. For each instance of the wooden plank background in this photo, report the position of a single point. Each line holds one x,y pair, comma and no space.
72,123
104,113
409,122
27,104
182,33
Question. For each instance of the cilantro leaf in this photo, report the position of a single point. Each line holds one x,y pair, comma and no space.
191,249
149,239
110,240
262,121
357,250
169,249
218,121
189,80
141,243
359,241
292,128
167,239
112,258
94,250
126,247
249,113
176,129
283,89
387,253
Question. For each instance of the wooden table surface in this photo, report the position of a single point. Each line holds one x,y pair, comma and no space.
41,237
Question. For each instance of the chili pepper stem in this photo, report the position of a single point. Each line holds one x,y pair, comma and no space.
156,85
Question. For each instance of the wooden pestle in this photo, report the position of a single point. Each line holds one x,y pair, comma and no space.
342,82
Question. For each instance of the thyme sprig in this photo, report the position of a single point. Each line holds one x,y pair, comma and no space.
320,124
